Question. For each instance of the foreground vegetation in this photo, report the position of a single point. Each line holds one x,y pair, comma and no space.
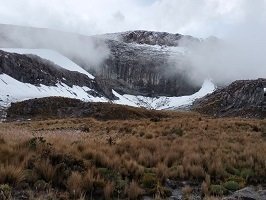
117,159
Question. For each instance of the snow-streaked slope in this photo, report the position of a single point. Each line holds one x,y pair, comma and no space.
53,56
165,103
12,90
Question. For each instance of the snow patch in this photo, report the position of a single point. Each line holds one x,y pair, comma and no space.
162,102
12,90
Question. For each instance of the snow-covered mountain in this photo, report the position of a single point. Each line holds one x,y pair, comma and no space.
142,63
15,88
136,68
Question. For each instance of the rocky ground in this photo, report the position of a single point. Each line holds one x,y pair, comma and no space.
248,193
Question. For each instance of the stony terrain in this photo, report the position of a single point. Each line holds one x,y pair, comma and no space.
241,98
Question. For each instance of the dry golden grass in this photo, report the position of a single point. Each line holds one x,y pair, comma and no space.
184,146
108,190
134,191
74,184
45,170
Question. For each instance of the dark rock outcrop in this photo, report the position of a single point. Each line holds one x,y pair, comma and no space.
241,98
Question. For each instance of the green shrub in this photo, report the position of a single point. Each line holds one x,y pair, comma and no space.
217,190
41,185
231,185
35,141
120,185
233,171
109,174
5,192
31,176
247,173
166,192
238,179
149,180
177,131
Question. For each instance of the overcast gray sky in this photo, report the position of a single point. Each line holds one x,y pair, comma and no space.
195,17
241,25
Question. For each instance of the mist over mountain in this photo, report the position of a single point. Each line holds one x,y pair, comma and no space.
133,99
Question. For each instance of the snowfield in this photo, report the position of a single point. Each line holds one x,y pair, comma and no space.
12,90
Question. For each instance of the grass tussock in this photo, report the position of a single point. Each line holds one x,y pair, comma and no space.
10,174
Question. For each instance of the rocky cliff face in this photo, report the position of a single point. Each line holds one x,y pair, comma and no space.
241,98
144,70
132,65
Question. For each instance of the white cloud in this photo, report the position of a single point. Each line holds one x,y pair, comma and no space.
196,17
241,53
